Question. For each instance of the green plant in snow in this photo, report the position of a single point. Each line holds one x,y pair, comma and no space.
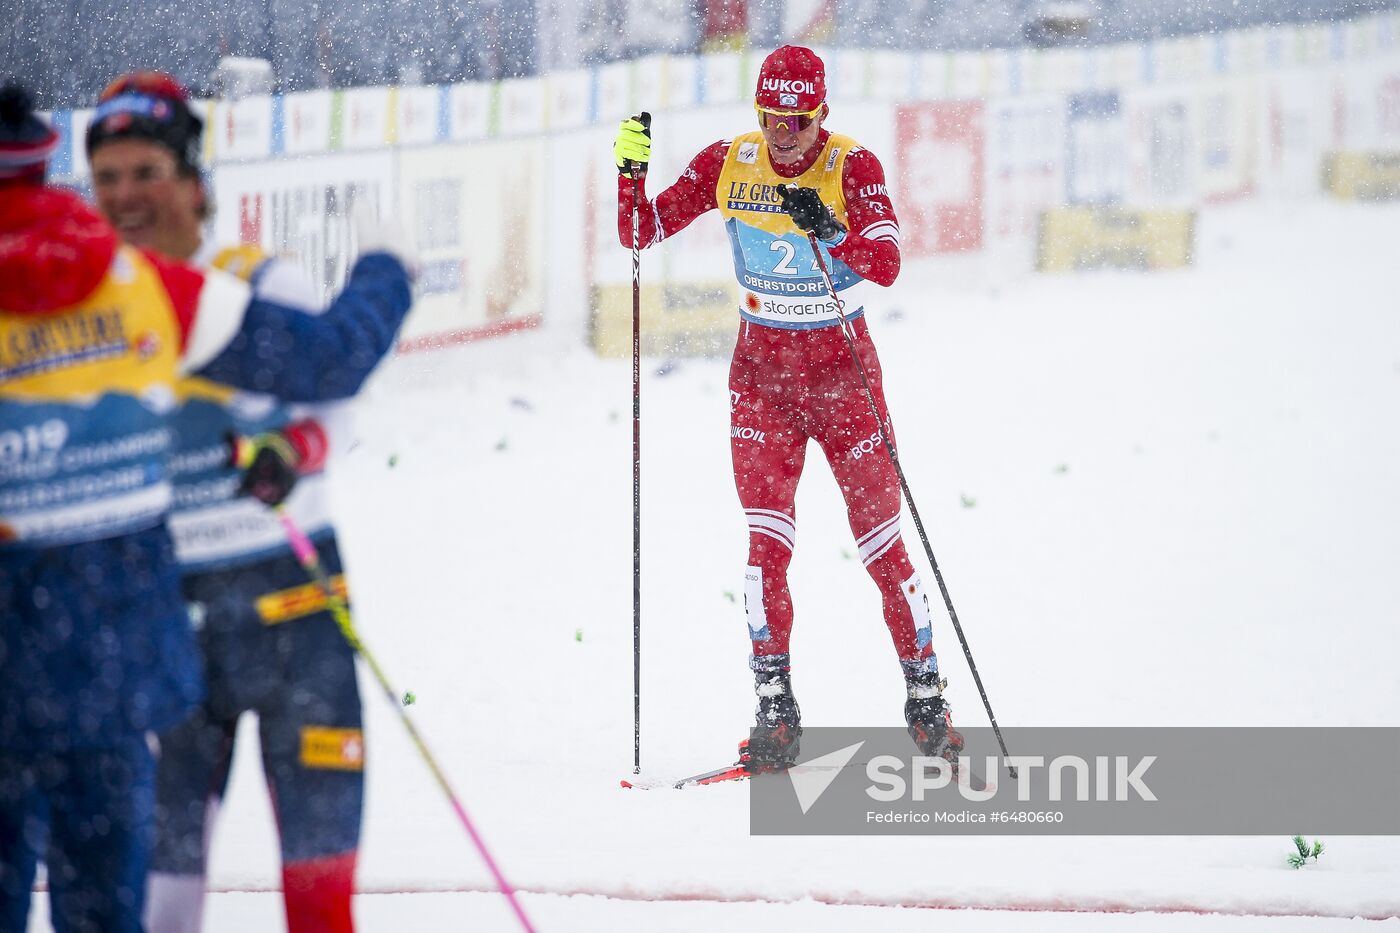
1305,851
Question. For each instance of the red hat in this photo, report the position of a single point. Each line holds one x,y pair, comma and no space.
791,79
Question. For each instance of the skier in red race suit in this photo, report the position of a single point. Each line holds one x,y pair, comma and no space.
792,378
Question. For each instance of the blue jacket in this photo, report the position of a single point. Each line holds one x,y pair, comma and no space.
95,643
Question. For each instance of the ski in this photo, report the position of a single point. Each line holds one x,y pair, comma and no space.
732,773
975,781
739,772
717,776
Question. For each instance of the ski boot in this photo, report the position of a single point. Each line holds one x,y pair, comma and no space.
930,721
773,743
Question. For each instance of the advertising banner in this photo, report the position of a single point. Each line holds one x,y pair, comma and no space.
1296,128
475,215
1178,60
470,110
61,162
846,74
680,82
613,92
997,73
1387,98
1362,176
417,115
1096,69
301,208
1075,238
1248,50
1025,163
568,93
969,75
891,74
941,172
522,106
1060,70
932,74
1096,160
724,79
1312,44
1366,102
1161,148
81,120
364,114
678,319
69,161
1122,66
241,129
649,81
306,122
1224,124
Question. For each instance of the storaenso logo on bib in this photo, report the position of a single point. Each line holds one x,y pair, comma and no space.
1110,781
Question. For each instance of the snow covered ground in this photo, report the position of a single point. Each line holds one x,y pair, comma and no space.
1157,500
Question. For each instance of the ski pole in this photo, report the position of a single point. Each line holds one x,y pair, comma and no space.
306,553
904,487
638,172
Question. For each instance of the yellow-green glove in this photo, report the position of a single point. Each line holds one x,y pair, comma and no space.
633,145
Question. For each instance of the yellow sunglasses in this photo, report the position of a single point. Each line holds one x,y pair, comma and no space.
788,120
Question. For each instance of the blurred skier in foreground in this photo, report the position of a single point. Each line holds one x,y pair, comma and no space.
96,648
792,378
267,637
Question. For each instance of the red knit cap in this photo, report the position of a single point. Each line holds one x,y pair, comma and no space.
791,79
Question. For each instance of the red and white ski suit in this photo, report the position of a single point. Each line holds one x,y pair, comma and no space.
792,377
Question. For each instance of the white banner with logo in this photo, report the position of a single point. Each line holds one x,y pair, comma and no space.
567,93
241,129
469,110
1225,121
613,92
475,215
891,76
416,120
680,82
1161,152
301,208
365,118
306,122
724,79
522,106
1025,164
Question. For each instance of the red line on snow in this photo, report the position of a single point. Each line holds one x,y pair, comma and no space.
1048,906
452,338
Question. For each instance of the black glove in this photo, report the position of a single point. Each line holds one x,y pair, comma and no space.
807,211
269,463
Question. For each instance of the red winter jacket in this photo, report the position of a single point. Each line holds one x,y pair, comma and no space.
55,249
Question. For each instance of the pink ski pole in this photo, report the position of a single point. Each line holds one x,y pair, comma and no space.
306,553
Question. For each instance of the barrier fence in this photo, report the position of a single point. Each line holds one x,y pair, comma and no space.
1060,158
